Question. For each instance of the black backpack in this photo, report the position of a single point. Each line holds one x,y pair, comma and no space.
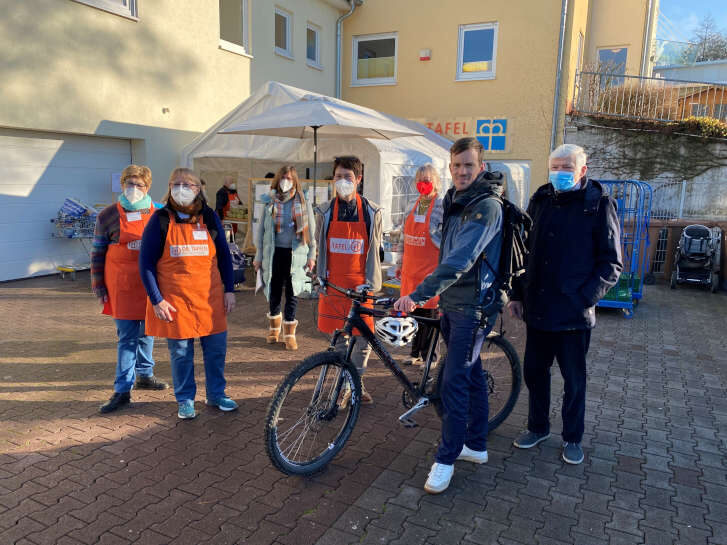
516,225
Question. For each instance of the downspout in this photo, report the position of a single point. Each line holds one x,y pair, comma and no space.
559,74
647,39
339,42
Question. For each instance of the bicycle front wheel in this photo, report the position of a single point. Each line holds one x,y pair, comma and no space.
504,378
306,426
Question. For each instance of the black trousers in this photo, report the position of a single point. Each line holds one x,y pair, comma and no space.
281,279
423,337
569,348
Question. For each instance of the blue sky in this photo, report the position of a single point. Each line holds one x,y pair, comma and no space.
686,15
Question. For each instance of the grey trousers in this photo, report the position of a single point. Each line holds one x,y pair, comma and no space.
360,354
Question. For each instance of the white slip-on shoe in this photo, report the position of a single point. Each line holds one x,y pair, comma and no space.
474,456
439,477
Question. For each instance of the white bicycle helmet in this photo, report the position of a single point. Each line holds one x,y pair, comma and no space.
396,331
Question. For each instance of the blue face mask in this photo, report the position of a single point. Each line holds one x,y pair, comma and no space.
562,180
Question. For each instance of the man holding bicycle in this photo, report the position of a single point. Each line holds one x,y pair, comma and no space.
471,234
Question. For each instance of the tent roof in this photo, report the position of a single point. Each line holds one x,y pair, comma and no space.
405,150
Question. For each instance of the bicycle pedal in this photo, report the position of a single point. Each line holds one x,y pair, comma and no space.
408,422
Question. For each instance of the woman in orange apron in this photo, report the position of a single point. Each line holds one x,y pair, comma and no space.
422,235
186,268
349,237
116,282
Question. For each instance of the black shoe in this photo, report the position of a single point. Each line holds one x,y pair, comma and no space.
117,401
150,383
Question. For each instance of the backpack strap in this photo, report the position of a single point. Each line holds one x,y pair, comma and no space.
163,228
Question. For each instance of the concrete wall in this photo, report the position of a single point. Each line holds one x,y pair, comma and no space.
268,65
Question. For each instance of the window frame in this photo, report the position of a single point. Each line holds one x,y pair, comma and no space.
232,47
476,76
131,11
371,82
287,53
310,62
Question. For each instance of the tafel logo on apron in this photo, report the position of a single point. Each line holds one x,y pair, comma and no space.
346,246
187,250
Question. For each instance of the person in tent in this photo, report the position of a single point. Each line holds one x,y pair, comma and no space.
227,196
116,283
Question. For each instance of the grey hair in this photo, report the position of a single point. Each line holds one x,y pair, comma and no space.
566,151
433,174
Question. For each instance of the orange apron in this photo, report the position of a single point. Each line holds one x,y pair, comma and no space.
225,209
348,246
420,254
190,281
126,293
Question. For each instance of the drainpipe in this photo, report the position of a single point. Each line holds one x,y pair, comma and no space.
559,74
647,39
339,42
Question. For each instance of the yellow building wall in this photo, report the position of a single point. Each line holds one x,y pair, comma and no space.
69,67
522,91
614,24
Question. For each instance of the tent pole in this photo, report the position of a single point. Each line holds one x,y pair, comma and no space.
315,162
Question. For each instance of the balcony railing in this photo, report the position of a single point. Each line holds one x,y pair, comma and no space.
647,98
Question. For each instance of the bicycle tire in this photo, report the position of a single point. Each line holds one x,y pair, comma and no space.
504,404
300,383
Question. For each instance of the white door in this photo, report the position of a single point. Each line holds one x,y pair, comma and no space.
37,172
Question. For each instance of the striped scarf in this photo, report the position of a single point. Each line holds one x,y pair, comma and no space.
301,219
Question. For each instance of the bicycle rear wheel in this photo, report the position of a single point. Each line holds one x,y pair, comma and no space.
305,426
504,378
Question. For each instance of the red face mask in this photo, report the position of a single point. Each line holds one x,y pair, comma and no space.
424,187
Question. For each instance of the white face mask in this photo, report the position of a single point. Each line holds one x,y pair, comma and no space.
285,185
345,187
133,194
183,195
233,186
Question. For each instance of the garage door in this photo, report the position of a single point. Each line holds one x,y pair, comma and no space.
37,172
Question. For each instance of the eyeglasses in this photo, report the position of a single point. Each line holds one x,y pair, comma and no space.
185,185
133,184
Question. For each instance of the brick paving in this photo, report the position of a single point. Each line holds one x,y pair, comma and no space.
655,469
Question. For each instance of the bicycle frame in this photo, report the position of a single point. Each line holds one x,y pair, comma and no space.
354,320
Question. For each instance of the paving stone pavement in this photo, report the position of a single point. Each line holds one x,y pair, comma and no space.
654,473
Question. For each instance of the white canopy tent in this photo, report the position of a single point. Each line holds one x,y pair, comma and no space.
389,165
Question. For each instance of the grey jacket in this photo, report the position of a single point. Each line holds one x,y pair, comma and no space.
373,261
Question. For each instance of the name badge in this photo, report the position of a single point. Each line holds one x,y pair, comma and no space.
199,235
133,216
188,250
351,246
134,245
410,240
419,218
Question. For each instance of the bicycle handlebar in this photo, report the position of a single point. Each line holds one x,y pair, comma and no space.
361,296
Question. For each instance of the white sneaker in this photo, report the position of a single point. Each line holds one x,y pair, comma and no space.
439,478
474,456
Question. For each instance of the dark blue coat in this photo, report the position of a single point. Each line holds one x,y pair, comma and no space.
574,259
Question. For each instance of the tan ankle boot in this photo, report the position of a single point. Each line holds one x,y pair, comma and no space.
289,335
274,328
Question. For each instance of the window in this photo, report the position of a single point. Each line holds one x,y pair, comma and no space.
477,51
283,33
233,26
125,8
403,196
374,59
613,63
720,111
698,110
313,46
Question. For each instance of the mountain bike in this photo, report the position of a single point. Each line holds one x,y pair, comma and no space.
307,425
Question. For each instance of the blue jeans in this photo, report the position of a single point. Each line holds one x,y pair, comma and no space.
134,357
463,389
214,351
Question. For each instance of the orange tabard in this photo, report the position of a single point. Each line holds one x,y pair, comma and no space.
225,209
348,246
420,253
126,293
190,281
